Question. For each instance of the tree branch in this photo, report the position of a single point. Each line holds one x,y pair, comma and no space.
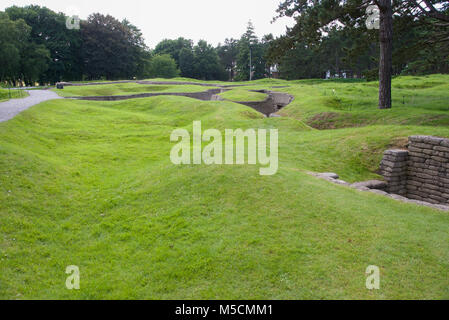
430,6
433,12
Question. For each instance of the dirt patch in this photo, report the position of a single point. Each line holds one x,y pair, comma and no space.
431,120
250,115
399,143
338,120
324,120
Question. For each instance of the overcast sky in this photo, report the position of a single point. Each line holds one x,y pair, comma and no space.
210,20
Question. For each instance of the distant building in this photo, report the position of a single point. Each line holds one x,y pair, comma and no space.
343,74
274,71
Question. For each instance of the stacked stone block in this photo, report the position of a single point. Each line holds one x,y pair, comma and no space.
422,172
428,169
394,169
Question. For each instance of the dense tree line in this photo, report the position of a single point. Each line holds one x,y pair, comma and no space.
418,48
199,61
412,37
36,45
330,38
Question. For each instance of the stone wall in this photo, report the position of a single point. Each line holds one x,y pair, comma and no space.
394,169
421,172
428,169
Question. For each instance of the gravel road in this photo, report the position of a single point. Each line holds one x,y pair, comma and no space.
9,109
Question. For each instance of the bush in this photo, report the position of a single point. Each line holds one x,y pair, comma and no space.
371,75
163,66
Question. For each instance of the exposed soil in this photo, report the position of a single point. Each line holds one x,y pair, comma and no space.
324,120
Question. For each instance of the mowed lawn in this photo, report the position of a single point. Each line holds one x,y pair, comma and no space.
243,94
422,101
91,184
125,89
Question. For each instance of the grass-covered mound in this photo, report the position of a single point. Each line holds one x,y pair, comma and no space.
243,95
337,104
124,89
91,184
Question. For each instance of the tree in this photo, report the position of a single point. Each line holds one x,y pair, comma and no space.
144,64
386,52
138,52
111,49
35,60
187,63
13,37
20,58
301,63
49,29
207,65
313,19
304,61
163,66
251,63
245,58
228,53
173,47
426,35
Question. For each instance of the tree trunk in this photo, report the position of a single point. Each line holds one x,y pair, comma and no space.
386,48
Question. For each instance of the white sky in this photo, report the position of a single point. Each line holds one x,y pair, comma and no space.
210,20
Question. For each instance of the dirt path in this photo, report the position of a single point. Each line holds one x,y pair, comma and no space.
9,109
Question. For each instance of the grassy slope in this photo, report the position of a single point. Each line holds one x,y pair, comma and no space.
243,95
331,104
15,94
91,184
124,89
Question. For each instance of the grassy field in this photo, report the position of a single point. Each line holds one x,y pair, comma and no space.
91,184
243,95
124,89
6,94
333,104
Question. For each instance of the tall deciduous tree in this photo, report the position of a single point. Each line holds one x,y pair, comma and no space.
187,62
111,48
207,64
49,29
20,58
13,38
163,66
173,47
35,59
228,53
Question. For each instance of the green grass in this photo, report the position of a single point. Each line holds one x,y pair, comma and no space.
243,95
6,94
124,89
91,184
338,104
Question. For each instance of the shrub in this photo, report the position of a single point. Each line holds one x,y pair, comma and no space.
163,66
